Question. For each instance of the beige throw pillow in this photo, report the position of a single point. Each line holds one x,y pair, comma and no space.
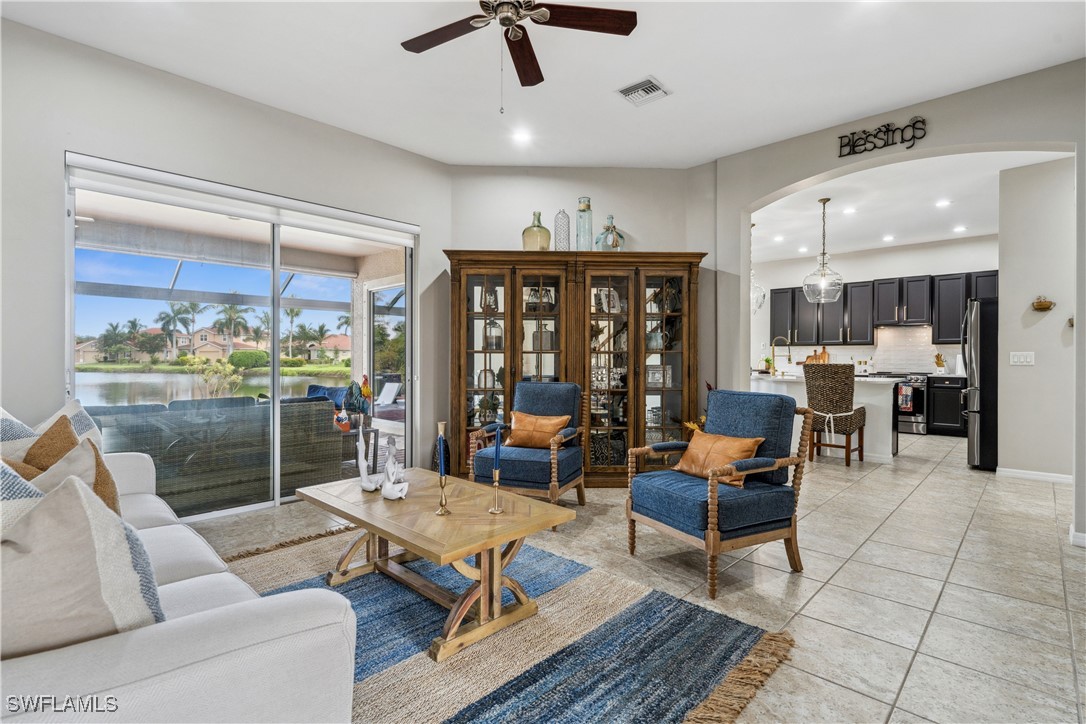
707,451
84,462
71,571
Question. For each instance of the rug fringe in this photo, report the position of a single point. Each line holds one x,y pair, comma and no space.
728,700
287,543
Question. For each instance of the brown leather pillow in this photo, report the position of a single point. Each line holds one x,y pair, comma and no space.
707,451
535,430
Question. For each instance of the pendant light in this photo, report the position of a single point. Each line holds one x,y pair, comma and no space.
823,284
757,291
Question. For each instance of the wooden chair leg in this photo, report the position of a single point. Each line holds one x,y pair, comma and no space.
792,549
848,450
811,448
581,496
861,450
631,535
711,564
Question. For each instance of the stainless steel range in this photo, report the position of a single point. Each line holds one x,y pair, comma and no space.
912,401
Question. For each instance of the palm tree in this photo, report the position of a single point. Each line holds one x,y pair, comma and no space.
231,322
171,320
133,327
320,333
189,323
291,313
114,336
344,323
257,335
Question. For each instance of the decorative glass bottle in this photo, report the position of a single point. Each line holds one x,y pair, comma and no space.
536,237
561,231
584,224
610,239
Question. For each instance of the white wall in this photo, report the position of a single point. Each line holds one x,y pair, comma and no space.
949,256
1037,228
60,96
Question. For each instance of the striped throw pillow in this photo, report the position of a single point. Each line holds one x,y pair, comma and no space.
70,569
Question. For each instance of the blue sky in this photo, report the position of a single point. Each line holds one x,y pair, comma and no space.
93,314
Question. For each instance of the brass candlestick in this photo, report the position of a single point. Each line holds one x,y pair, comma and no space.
443,502
497,509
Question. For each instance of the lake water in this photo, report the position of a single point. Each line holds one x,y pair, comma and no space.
133,388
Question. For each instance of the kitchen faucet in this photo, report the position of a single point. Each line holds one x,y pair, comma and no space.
773,353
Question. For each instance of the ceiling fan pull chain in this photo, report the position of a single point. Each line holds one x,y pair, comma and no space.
501,77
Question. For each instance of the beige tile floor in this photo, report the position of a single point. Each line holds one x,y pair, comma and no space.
930,592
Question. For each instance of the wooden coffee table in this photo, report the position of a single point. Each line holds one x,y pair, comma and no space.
493,540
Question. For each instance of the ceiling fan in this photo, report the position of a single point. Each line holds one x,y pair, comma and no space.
510,13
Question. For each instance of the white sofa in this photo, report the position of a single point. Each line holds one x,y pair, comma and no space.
223,654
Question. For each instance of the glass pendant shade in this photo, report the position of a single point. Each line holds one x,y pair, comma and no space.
757,294
823,284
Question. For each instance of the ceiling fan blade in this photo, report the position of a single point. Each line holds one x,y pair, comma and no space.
444,34
524,59
596,20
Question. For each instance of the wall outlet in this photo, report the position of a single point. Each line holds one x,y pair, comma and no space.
1024,359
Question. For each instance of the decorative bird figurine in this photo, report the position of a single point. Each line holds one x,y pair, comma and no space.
365,481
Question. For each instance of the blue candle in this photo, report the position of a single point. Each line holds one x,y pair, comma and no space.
497,448
441,455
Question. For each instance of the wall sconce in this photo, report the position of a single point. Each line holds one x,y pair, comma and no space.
1043,304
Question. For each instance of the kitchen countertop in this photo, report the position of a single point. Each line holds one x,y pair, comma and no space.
800,378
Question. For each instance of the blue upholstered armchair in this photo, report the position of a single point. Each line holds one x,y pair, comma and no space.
542,472
723,516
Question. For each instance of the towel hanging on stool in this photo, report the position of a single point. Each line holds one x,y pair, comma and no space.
905,398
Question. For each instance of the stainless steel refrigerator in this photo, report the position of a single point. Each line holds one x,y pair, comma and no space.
980,350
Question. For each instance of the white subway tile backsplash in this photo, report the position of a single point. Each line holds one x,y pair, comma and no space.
896,349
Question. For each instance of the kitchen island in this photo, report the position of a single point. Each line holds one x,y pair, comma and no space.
877,394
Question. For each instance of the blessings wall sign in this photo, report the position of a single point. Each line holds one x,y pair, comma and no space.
888,134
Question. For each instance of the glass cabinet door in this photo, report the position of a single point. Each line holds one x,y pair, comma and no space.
609,343
540,327
485,346
662,346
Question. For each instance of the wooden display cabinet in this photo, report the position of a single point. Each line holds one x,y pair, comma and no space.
621,325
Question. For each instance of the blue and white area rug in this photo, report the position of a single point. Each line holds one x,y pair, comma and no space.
601,648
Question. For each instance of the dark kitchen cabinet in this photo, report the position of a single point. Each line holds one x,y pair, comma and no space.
887,302
984,284
806,318
831,322
780,314
949,294
916,300
945,406
859,312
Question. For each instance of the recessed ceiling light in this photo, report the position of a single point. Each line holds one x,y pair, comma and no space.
959,229
849,210
522,137
803,250
942,203
888,237
778,237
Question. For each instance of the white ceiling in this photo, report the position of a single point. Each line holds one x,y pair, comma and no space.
742,74
896,200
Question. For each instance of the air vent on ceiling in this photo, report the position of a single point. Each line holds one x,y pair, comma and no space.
645,91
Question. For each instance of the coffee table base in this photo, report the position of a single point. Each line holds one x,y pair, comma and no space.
473,615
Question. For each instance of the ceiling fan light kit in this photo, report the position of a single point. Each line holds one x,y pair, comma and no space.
511,13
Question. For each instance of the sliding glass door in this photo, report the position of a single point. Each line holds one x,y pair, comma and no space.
223,346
